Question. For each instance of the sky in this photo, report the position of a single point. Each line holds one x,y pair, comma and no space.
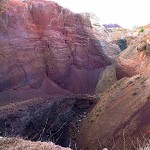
127,13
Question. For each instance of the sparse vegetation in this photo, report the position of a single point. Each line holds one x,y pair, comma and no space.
142,29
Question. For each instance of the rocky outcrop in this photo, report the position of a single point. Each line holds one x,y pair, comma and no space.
44,46
16,144
122,37
135,59
144,45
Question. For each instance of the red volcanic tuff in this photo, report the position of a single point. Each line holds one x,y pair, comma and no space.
43,46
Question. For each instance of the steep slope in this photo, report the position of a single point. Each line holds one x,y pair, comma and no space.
121,117
39,39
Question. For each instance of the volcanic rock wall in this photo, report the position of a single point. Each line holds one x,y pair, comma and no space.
47,48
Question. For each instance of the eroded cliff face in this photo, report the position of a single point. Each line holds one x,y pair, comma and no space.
48,49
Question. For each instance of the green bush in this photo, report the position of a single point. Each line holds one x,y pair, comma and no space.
142,29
